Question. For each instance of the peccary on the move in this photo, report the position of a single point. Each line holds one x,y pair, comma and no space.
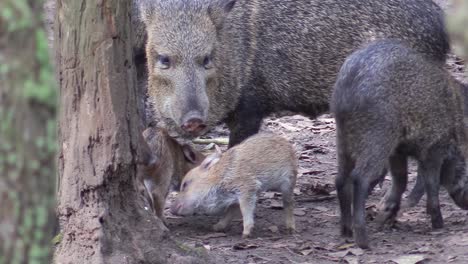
390,103
239,61
223,183
168,165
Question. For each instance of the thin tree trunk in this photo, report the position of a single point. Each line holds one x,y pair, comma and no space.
27,135
101,216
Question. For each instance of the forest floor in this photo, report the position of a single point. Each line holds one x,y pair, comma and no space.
317,239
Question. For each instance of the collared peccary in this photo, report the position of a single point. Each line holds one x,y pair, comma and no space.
390,103
168,163
239,61
223,183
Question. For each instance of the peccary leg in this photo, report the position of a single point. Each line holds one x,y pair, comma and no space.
288,204
231,213
455,180
360,189
159,200
399,170
247,207
417,192
430,169
344,191
245,122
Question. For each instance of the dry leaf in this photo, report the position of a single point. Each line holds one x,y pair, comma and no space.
281,245
339,254
276,205
307,252
351,260
409,259
356,251
273,229
346,246
243,246
212,235
297,191
321,208
207,247
299,212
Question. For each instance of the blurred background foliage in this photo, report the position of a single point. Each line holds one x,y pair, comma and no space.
28,107
457,22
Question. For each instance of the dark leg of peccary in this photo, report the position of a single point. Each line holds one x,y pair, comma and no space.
417,192
399,170
430,169
453,176
344,191
245,122
360,188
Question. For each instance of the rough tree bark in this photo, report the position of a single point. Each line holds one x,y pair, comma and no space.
27,135
101,216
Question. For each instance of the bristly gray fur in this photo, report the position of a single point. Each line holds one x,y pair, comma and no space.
270,56
391,102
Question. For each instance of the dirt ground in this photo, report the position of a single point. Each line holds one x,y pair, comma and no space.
317,239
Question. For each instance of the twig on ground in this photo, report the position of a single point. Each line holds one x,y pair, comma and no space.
206,141
316,199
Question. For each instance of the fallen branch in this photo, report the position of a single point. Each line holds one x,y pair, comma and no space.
206,141
315,199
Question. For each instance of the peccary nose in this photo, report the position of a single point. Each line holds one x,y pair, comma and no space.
175,208
194,125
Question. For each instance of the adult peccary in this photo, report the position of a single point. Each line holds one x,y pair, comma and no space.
238,61
390,103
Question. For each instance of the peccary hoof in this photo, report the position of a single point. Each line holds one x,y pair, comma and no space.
437,223
360,238
346,231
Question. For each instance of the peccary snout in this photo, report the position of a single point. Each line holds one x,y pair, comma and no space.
193,123
178,208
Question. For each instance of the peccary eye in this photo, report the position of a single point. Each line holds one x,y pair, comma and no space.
163,62
207,63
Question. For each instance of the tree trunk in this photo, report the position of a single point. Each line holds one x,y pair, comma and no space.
27,135
101,215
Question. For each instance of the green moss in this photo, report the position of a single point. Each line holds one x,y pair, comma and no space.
57,239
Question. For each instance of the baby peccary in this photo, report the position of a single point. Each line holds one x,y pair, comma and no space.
171,161
390,103
225,182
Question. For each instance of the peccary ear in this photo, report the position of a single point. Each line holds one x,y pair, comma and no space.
219,9
210,160
189,154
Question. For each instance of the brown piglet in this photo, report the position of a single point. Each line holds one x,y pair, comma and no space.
223,183
166,167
